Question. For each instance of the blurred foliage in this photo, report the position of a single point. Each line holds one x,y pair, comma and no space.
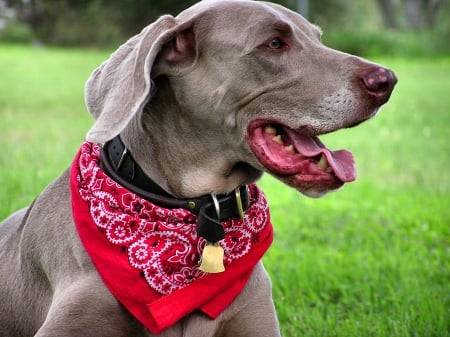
16,32
365,27
100,23
389,43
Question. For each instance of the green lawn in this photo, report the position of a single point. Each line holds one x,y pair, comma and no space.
370,260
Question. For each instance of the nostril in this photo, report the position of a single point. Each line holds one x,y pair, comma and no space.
382,86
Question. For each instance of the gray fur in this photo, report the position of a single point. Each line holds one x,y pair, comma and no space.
183,113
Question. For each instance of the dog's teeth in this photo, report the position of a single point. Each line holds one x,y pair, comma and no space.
269,129
277,139
323,162
329,169
290,148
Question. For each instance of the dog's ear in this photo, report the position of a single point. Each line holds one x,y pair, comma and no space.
178,54
122,85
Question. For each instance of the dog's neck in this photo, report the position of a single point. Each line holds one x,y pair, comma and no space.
187,150
118,163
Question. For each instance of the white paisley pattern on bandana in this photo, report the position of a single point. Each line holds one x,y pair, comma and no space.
160,243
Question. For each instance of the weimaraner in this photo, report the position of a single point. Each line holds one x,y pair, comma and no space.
188,115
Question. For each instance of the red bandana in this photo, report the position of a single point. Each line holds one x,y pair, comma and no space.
148,255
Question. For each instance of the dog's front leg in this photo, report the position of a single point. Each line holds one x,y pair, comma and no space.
258,318
85,308
252,313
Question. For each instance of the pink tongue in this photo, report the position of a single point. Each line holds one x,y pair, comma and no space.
340,161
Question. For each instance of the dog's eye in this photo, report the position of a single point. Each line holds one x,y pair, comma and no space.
276,43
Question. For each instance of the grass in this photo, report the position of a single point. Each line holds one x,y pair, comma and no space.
370,260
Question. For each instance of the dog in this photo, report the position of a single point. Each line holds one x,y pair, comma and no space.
188,115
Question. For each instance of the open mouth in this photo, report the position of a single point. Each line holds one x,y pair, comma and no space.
301,161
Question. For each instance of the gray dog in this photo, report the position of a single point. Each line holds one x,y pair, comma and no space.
157,228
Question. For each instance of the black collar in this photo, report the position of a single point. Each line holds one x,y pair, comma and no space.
119,164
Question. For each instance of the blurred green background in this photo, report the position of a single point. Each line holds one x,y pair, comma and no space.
362,27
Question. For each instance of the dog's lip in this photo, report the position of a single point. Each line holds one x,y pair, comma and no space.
284,152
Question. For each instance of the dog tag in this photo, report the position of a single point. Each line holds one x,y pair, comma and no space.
212,259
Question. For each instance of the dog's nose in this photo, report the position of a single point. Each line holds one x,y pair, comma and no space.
379,83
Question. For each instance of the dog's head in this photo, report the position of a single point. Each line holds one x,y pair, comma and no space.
226,90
